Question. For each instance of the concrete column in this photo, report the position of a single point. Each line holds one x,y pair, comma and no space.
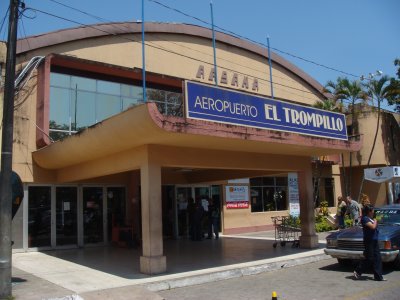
308,238
152,261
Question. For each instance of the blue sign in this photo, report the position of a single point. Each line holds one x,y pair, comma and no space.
210,103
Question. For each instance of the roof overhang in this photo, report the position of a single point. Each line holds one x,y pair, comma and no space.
144,125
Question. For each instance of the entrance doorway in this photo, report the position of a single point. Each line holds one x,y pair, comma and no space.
184,200
66,216
72,216
93,215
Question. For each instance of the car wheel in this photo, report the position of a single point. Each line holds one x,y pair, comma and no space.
343,262
396,262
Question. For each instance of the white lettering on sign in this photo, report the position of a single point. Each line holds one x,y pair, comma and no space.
271,109
219,105
312,119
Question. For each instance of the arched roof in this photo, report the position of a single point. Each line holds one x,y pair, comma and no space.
99,30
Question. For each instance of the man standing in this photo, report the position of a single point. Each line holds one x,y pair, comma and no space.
353,209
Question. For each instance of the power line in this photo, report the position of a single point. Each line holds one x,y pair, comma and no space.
23,29
4,19
253,41
150,44
107,20
88,14
227,60
205,22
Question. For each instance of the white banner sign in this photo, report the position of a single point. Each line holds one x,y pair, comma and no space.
294,203
237,196
382,174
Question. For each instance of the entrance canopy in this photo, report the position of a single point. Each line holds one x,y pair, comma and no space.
383,174
145,125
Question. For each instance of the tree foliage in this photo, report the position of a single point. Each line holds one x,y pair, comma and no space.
394,97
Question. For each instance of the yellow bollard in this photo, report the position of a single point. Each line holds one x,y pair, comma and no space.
274,296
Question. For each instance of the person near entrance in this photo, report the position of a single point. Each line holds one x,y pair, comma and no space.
213,219
353,209
197,221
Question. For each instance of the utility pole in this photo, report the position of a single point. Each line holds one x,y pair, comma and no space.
6,155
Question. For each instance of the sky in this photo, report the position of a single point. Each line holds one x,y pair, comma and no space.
356,37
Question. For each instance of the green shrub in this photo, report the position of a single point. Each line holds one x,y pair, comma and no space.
321,224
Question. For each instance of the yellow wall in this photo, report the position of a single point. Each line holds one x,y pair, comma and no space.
118,50
387,144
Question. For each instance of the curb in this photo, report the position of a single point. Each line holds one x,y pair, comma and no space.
234,272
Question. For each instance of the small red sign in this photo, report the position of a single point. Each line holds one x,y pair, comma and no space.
237,204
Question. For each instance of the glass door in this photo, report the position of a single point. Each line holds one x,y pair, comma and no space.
117,229
185,202
66,216
39,216
93,216
183,198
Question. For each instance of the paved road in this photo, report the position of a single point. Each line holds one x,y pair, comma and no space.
321,280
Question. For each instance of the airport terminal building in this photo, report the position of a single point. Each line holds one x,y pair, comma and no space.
99,163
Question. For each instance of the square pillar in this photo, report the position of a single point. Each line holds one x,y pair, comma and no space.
308,238
152,261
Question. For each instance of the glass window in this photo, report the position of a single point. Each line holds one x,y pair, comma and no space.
78,102
60,80
256,181
83,84
39,216
256,199
107,106
93,215
267,195
281,198
84,114
128,102
108,87
66,216
281,181
268,181
59,108
269,200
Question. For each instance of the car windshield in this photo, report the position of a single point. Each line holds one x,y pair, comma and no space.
388,216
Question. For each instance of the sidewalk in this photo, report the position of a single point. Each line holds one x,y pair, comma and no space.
113,273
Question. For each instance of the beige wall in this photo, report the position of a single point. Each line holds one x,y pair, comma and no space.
118,50
387,144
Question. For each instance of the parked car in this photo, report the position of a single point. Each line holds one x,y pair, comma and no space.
347,244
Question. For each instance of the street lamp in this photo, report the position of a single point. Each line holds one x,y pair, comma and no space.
370,76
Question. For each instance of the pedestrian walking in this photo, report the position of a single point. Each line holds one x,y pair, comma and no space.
372,253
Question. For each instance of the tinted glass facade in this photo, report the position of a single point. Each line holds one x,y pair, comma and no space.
268,194
78,102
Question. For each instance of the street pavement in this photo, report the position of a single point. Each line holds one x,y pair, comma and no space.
55,275
324,279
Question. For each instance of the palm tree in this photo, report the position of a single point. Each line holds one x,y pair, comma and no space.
335,88
353,92
394,98
328,104
379,90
